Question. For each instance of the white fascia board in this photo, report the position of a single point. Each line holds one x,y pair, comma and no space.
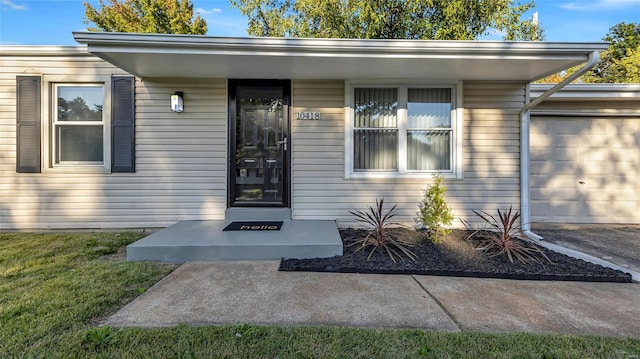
595,92
185,44
156,55
43,50
585,113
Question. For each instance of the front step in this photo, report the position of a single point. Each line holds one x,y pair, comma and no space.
188,241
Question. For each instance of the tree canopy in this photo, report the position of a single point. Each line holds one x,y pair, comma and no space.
145,16
78,110
619,64
389,19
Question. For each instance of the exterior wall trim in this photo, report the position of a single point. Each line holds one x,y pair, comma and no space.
583,92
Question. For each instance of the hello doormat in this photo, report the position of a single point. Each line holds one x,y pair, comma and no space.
253,226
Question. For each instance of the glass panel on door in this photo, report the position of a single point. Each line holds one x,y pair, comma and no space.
261,142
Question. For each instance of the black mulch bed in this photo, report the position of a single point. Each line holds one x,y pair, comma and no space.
456,257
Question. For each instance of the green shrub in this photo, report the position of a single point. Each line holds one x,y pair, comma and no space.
435,213
380,233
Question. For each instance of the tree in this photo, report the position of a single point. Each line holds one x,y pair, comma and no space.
145,16
630,66
619,64
389,19
620,61
435,213
78,110
560,76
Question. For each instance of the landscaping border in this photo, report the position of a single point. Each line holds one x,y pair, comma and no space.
435,259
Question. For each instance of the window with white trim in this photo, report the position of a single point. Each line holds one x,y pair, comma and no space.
429,130
78,125
402,131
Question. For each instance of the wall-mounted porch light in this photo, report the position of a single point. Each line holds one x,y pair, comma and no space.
177,101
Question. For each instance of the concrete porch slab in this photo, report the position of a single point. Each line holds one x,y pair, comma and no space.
188,241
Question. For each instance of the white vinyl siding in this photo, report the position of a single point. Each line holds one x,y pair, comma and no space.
180,158
491,171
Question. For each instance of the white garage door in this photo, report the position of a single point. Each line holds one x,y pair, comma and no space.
585,170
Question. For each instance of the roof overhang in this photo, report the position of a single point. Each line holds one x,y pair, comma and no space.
193,56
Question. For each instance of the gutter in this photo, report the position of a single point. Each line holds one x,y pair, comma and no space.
388,48
525,115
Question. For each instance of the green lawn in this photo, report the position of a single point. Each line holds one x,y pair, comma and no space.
56,288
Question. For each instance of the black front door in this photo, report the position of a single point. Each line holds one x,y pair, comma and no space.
259,143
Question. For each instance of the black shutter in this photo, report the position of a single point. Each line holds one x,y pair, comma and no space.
28,122
123,157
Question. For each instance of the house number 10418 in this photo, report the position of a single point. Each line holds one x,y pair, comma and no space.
308,115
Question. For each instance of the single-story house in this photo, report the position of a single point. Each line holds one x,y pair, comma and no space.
143,130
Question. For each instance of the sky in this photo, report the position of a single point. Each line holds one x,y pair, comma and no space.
51,22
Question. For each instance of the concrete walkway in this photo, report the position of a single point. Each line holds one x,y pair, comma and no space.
212,293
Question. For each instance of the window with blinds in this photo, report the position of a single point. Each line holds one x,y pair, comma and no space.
375,129
402,129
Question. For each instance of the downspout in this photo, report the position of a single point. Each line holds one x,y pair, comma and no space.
525,114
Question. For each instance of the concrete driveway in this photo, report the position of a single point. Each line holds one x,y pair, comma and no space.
619,244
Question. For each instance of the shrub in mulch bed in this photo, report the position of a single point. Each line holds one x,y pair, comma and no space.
455,256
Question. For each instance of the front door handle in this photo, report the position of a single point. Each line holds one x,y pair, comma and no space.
284,143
